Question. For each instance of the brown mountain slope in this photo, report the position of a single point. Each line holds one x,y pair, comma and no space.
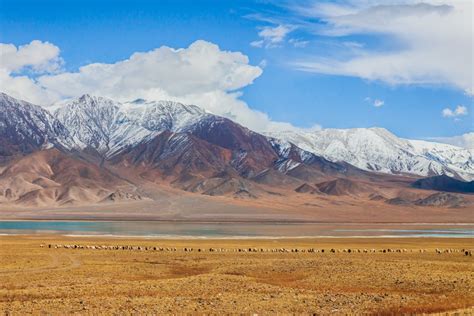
344,186
444,183
274,177
50,177
443,199
306,188
170,156
251,152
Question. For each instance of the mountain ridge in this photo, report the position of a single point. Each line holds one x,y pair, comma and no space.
377,149
137,151
109,127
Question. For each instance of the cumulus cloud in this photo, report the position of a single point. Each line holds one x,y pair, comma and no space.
37,55
460,110
25,88
200,68
432,42
34,58
464,141
200,74
272,36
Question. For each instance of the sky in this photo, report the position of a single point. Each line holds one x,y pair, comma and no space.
270,65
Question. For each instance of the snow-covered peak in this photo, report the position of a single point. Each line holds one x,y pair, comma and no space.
5,98
358,145
91,101
109,126
99,123
163,115
377,149
30,124
138,101
9,102
459,159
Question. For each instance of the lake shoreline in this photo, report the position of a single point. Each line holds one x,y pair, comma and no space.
250,221
176,237
235,230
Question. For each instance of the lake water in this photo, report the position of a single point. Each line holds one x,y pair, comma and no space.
234,230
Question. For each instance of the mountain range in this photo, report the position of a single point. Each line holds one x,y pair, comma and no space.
376,149
94,150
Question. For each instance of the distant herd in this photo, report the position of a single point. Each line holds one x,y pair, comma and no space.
466,252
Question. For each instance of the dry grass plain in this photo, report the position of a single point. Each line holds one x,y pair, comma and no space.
85,281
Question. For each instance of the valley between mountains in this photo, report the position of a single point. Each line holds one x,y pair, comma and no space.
95,158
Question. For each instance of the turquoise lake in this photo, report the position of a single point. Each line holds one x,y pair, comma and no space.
236,230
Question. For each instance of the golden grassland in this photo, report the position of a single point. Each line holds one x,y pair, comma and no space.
43,280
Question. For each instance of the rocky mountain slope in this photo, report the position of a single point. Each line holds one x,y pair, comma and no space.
26,128
163,115
100,124
376,149
109,127
96,150
444,183
52,178
153,142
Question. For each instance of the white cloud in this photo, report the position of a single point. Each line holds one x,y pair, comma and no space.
200,74
298,43
25,88
464,141
200,68
431,43
37,55
378,103
447,112
375,102
460,110
258,44
272,36
35,58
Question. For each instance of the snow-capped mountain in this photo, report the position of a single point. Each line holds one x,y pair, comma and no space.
459,159
43,160
26,127
376,149
101,124
112,127
163,115
109,126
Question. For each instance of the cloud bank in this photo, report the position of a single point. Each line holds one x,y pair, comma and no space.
465,141
34,58
200,74
432,42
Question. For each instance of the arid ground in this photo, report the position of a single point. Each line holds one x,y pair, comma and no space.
59,281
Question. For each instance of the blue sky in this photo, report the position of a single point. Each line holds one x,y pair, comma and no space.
306,79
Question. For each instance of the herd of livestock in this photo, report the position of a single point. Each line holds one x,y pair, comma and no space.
466,252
